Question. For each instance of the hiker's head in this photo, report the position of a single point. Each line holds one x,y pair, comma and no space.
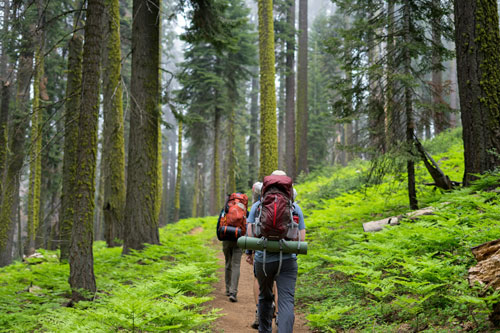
256,189
278,173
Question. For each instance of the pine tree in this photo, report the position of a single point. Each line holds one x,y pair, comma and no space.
177,199
478,54
290,156
141,209
70,162
301,147
113,152
268,131
18,125
36,138
81,257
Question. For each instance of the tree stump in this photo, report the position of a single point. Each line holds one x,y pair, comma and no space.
487,272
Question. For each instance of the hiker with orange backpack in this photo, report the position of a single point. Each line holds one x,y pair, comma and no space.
277,218
230,226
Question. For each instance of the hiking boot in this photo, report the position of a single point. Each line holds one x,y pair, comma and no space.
228,293
232,298
255,324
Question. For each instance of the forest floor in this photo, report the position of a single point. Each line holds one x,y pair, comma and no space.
237,317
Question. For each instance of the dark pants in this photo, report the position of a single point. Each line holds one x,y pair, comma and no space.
232,254
285,282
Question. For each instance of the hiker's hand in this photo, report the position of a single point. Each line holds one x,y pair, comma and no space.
250,259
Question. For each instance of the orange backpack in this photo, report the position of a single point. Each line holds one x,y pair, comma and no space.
233,220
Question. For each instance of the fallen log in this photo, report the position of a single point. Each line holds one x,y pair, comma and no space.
374,226
485,273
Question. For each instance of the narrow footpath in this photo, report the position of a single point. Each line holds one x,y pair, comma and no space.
237,317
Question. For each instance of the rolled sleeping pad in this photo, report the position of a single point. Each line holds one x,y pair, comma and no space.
229,233
252,243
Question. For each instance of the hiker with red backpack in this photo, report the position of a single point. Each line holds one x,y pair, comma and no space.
230,226
276,218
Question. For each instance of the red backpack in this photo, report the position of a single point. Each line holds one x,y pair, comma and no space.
276,208
233,221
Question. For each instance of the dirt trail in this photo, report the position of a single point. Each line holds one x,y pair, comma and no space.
237,317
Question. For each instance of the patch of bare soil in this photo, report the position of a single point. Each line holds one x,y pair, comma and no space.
237,317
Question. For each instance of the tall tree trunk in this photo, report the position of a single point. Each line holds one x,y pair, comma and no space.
302,112
141,218
196,190
231,168
410,124
177,200
290,156
268,130
253,136
10,201
216,183
391,119
81,256
453,93
5,96
164,200
113,149
281,116
99,204
70,162
35,174
478,56
440,120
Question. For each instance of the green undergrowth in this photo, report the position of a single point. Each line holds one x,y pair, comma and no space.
160,289
406,278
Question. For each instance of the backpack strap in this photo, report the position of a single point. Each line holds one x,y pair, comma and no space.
282,241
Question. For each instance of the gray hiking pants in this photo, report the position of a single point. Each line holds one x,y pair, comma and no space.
285,282
232,254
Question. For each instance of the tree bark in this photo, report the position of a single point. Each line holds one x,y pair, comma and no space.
35,173
216,198
440,119
113,149
478,55
268,130
177,200
408,96
302,111
10,200
290,157
141,218
253,140
73,95
81,257
5,97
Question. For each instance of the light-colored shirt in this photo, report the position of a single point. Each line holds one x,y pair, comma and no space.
275,256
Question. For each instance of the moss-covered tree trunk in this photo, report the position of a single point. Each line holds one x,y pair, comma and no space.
4,96
302,112
35,173
142,206
290,160
178,180
408,97
253,136
268,130
81,256
18,126
72,106
113,149
478,56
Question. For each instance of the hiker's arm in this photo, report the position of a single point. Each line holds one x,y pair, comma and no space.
302,235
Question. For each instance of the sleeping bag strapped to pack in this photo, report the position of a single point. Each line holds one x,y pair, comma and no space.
233,221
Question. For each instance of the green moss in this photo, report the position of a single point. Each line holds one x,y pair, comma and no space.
268,130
